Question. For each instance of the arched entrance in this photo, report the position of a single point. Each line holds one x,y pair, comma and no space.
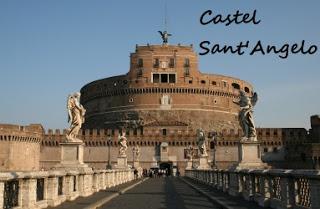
167,166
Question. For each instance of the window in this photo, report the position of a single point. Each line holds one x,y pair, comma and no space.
275,149
235,86
186,62
156,63
190,81
164,78
265,149
156,78
139,72
140,62
171,63
172,78
224,83
214,83
246,89
203,82
186,71
164,132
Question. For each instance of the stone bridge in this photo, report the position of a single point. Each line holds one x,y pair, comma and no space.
237,189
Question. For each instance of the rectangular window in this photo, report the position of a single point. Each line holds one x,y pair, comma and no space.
186,71
164,132
224,83
156,63
164,78
155,78
139,72
186,62
171,63
172,78
140,62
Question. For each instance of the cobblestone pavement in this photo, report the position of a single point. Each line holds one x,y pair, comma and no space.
161,193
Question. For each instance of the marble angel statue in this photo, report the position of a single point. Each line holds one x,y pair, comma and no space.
76,114
246,104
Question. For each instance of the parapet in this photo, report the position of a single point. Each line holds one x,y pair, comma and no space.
32,132
315,120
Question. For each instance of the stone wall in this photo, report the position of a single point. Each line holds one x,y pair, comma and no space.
20,147
274,143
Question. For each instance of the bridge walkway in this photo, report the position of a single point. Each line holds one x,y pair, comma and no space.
160,193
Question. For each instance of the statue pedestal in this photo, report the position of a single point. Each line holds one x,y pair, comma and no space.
203,163
71,155
250,155
121,163
136,164
189,164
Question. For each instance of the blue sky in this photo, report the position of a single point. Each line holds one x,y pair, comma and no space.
50,48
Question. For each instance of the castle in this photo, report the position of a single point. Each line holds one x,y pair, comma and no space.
160,103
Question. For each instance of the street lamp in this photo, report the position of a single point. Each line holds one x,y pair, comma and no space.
133,153
109,158
213,135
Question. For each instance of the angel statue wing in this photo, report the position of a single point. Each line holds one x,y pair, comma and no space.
254,99
162,35
69,106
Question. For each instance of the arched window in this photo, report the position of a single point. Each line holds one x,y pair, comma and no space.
246,89
235,86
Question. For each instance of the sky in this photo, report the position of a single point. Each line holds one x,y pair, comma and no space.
51,48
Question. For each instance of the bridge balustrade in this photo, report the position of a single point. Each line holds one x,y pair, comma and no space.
275,188
51,188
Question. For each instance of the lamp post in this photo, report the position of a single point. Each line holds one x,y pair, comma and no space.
109,158
213,135
133,155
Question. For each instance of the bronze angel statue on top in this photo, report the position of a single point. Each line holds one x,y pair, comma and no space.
246,104
76,114
165,36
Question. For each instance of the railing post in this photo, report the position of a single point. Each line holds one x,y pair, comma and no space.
315,193
1,193
234,189
95,182
52,189
28,192
262,196
287,191
103,184
88,182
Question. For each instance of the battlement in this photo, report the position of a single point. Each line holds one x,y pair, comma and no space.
31,133
152,136
315,121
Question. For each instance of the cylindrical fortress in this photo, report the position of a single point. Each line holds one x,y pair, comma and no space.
163,86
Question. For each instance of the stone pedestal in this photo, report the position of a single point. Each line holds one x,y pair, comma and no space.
121,163
71,155
136,164
189,164
203,163
249,155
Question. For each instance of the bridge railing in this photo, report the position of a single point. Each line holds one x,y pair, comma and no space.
51,188
278,189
